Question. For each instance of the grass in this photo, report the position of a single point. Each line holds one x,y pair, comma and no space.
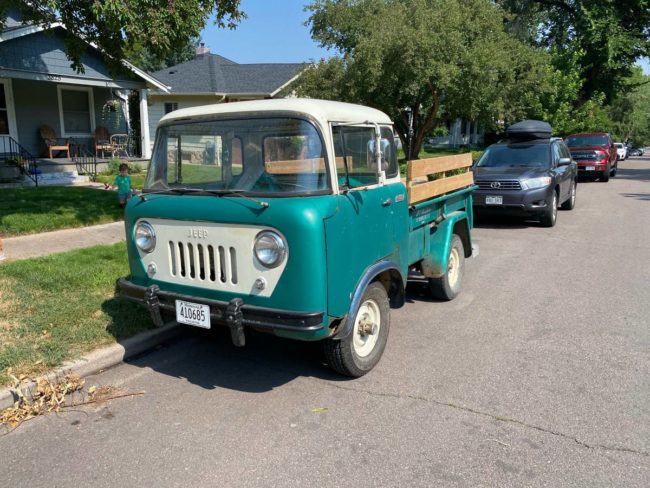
33,210
57,307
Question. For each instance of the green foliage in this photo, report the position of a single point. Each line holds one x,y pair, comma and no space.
119,28
32,210
606,37
65,306
436,57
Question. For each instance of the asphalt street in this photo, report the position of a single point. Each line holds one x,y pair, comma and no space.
538,374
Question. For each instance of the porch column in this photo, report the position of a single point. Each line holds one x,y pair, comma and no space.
144,125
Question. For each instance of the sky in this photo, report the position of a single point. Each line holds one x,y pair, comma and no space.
273,32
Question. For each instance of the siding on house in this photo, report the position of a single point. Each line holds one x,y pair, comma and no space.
36,104
44,52
157,108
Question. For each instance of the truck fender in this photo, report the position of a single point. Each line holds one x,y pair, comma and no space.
394,283
434,263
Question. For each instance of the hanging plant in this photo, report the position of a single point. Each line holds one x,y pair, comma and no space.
114,106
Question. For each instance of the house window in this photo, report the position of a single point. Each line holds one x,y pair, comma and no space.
4,115
170,107
76,110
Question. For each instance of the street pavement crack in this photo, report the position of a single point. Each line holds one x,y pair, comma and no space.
499,418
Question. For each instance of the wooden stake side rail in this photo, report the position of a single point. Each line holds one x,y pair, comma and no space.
419,169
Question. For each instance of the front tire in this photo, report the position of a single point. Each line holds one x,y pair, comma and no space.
604,176
571,201
614,170
549,217
359,352
448,286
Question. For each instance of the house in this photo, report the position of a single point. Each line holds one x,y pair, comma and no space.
38,87
209,78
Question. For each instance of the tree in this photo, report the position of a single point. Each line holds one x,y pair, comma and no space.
143,58
607,36
118,27
429,57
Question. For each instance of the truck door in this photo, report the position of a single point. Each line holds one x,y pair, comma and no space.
361,231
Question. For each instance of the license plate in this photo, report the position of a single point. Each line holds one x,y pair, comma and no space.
498,200
194,314
590,168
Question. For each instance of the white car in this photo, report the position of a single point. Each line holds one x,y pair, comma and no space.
621,151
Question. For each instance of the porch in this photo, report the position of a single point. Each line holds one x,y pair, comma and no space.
54,119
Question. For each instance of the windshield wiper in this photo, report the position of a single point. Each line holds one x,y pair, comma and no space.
202,191
236,193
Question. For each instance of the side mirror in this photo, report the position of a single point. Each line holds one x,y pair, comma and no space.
564,162
384,153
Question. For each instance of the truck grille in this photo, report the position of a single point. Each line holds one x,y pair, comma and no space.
584,155
498,184
202,262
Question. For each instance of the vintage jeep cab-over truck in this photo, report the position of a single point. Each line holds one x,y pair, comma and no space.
290,216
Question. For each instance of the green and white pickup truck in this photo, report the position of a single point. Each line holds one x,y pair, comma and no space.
290,216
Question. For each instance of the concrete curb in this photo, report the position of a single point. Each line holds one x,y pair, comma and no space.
103,358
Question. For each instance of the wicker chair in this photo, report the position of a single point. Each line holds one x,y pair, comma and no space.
54,143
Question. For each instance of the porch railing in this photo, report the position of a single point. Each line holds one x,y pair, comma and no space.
86,162
12,153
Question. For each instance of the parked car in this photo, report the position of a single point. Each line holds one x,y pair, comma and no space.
594,153
621,151
637,151
527,174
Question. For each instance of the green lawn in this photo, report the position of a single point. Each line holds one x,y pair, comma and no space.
57,307
33,210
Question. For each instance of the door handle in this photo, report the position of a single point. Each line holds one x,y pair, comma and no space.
387,202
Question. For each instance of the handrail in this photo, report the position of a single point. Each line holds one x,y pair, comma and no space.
85,161
14,153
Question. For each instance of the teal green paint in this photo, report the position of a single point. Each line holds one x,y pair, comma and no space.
303,285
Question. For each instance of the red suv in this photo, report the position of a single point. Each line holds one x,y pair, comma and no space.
594,153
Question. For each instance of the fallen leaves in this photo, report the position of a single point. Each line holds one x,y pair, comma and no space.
44,396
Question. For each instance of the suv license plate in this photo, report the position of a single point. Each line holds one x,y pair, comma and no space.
590,168
195,314
498,200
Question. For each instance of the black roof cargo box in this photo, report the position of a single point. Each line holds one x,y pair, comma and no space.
529,129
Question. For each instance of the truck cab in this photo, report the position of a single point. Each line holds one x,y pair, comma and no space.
287,216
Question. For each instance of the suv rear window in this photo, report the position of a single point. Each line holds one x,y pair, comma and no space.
533,155
577,141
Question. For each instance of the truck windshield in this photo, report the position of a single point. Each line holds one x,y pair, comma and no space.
257,156
578,141
533,155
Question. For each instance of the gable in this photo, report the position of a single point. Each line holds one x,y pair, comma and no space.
44,52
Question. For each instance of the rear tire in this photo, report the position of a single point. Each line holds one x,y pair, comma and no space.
571,201
448,286
549,217
359,352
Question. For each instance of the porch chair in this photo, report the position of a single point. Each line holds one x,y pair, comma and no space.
52,142
104,142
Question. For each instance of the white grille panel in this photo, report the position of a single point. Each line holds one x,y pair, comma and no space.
210,255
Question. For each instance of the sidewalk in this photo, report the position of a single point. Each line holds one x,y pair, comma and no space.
62,240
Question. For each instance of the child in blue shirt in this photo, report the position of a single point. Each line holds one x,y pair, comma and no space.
123,184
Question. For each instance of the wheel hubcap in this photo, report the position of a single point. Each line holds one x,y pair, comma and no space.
453,269
367,325
573,193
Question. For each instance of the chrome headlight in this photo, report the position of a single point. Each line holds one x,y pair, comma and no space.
145,236
270,248
532,183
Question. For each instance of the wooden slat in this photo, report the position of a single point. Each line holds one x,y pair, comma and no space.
423,167
295,166
423,191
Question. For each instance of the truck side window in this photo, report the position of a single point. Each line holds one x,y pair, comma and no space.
351,152
393,169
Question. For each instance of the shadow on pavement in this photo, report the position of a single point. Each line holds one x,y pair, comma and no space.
633,174
496,221
638,196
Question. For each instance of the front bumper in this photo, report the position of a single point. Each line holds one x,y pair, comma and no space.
234,314
525,202
598,167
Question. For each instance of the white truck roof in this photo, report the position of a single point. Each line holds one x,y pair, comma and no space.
324,111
